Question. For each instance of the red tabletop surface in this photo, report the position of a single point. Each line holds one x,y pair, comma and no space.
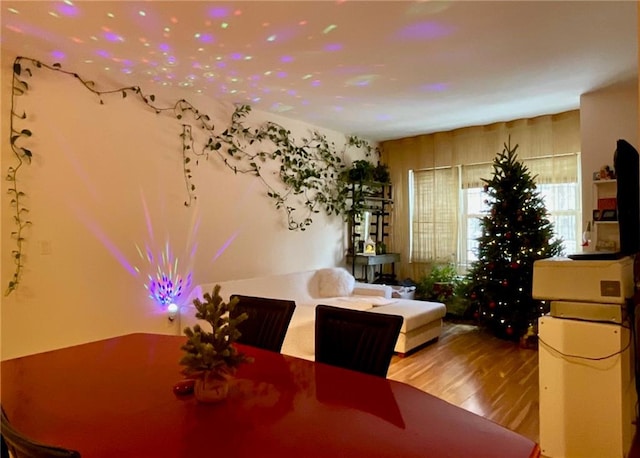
114,397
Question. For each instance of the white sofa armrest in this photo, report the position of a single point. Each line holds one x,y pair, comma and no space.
372,289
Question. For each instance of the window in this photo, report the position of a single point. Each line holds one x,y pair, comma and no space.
441,233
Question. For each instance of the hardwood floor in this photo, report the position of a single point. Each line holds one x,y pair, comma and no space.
478,372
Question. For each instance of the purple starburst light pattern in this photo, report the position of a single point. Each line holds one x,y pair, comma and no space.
286,59
236,56
282,74
333,47
103,53
168,285
167,288
164,47
425,31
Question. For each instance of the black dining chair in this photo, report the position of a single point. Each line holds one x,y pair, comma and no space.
267,323
356,339
21,446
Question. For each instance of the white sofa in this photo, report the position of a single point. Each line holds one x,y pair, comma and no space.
333,286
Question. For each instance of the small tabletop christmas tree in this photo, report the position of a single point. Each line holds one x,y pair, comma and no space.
213,351
516,231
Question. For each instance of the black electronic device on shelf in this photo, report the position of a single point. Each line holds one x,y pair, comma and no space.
627,168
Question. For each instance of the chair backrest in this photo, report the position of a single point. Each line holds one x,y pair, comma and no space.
268,321
356,339
22,447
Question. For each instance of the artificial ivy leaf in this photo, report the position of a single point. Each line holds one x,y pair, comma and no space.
56,65
26,132
152,97
27,152
179,116
187,160
17,68
124,94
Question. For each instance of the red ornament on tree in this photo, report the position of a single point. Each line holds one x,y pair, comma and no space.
505,283
492,304
514,265
509,330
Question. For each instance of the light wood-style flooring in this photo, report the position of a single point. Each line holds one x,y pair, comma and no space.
479,372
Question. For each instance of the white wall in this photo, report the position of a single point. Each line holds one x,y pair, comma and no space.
106,179
606,115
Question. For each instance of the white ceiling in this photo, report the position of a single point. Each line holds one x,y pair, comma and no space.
377,69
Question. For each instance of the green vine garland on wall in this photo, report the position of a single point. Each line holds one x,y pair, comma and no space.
310,172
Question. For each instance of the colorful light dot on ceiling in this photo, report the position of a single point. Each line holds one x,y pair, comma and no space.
142,13
67,9
224,25
329,28
13,10
218,12
271,38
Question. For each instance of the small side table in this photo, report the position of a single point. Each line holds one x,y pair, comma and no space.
368,264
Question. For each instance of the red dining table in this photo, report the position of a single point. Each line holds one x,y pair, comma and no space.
114,398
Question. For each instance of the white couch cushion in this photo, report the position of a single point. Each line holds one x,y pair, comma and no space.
335,282
415,313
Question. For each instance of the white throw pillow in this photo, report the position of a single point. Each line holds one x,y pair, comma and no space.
335,282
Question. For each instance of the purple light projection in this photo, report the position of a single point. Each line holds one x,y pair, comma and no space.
58,55
206,38
425,31
435,87
219,12
67,9
111,36
168,286
331,47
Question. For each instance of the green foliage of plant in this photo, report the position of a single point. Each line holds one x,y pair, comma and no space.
439,284
213,350
309,170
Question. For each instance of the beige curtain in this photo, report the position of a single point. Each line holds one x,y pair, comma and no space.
435,230
552,135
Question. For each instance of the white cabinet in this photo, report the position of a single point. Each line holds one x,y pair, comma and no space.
605,232
587,391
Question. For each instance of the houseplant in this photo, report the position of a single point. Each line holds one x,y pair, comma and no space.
211,357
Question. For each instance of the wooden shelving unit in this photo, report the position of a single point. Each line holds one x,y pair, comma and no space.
371,207
605,234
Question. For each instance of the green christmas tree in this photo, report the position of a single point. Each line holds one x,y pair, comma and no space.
516,231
